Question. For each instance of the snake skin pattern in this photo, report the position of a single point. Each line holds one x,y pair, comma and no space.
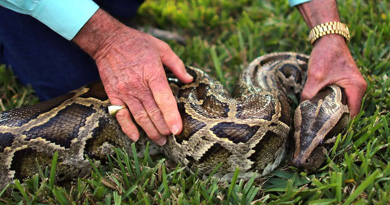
249,130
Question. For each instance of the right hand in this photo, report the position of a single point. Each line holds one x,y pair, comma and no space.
331,63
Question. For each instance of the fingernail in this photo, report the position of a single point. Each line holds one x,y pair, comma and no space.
162,141
134,137
175,129
189,76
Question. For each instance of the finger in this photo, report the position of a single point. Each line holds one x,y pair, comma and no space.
143,120
155,115
310,90
354,98
168,106
124,119
127,125
173,62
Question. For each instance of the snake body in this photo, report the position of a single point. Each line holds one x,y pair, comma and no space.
249,130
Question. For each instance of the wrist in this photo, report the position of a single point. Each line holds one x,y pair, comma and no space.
328,28
97,32
331,40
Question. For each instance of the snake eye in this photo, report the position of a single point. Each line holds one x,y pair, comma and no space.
61,177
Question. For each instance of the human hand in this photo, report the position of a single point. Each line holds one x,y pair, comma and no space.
331,63
130,65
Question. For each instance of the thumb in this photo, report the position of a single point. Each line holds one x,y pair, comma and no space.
310,90
354,98
173,62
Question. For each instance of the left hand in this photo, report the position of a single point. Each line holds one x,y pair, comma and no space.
331,63
130,65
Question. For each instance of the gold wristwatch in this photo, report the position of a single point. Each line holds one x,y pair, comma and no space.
328,28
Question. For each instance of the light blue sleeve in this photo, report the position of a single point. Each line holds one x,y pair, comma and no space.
66,17
296,2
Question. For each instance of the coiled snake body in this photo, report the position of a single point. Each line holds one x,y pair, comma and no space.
250,130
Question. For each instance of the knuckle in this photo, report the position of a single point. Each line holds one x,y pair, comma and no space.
164,99
363,83
164,47
121,115
137,85
155,113
141,117
165,50
363,86
350,65
156,78
121,86
132,86
358,81
316,76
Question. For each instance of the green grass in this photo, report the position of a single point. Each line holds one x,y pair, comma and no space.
222,38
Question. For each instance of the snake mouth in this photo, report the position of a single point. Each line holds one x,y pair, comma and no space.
310,162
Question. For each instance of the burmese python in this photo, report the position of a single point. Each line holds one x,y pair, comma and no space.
250,130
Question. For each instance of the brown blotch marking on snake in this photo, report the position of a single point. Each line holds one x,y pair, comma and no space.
185,93
214,108
250,108
201,91
215,155
106,131
214,113
266,150
12,118
289,70
235,132
286,114
63,127
24,162
96,90
6,140
190,125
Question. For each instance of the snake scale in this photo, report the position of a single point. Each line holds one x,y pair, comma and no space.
250,129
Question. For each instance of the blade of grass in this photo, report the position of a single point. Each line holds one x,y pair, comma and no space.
53,171
370,180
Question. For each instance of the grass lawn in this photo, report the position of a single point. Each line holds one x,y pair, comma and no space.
223,36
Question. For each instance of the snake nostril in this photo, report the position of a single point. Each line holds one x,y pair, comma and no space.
297,162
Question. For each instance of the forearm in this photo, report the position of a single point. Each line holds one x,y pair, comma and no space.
319,11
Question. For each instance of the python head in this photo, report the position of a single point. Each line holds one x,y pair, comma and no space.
316,121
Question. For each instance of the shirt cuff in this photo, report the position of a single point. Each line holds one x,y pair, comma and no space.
296,2
65,17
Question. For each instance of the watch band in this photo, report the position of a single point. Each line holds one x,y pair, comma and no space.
328,28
